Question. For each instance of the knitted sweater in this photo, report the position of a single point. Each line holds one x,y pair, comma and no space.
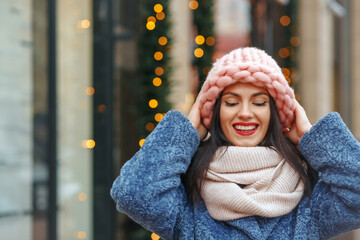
149,188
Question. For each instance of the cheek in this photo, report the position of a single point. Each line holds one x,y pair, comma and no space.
266,118
226,115
225,118
222,119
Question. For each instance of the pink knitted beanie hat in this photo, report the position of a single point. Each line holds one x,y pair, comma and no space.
247,65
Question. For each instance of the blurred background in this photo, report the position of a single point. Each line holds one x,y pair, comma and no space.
82,83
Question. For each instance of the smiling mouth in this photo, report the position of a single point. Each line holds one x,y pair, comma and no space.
246,130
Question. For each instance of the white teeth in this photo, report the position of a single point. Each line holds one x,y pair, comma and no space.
245,128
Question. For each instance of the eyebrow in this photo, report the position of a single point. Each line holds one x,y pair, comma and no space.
253,95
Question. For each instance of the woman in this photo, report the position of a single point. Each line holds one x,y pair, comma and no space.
254,177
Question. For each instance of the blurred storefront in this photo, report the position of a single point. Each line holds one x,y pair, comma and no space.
54,181
329,59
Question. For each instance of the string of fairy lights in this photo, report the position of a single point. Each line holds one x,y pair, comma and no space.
203,51
156,29
205,41
291,43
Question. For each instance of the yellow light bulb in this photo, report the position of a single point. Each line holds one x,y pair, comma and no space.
150,25
162,41
199,52
159,71
157,82
160,16
154,236
158,8
90,143
158,56
85,23
199,40
141,142
153,103
193,5
151,19
158,117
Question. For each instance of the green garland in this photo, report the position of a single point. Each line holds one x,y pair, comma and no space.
152,29
204,23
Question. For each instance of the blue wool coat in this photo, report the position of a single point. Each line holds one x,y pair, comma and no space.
149,189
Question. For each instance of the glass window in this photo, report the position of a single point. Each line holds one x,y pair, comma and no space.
16,121
74,119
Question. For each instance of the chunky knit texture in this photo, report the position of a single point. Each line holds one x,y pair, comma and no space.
270,187
150,191
248,65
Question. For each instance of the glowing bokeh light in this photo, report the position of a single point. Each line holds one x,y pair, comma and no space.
160,16
141,142
154,236
90,91
81,235
210,41
285,71
151,19
150,126
158,8
162,41
153,103
158,117
159,71
193,5
82,197
157,82
150,25
284,52
285,20
199,40
199,52
85,23
295,41
158,56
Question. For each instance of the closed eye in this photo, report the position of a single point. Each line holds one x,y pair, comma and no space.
260,104
230,104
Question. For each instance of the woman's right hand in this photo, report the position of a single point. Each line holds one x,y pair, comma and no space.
195,119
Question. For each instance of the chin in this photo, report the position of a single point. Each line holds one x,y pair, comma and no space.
245,144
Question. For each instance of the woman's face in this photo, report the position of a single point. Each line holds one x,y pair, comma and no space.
245,114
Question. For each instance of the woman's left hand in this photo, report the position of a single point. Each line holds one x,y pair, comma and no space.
301,124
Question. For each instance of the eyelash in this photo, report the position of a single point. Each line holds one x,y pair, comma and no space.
230,104
261,104
256,104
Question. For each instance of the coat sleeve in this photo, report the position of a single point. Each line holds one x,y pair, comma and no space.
149,188
334,152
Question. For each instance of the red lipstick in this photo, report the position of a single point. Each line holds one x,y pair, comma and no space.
245,132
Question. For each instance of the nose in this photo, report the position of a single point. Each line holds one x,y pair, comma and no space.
245,112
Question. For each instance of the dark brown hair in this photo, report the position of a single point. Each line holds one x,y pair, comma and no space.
274,138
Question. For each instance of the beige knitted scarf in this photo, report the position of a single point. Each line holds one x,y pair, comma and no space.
248,181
